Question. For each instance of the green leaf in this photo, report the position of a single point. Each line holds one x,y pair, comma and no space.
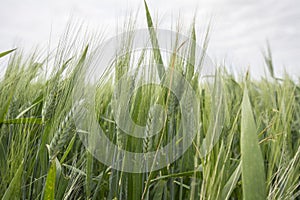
2,54
216,114
23,121
192,55
5,106
269,60
159,189
253,175
13,190
155,45
231,183
177,175
50,182
29,108
70,146
89,168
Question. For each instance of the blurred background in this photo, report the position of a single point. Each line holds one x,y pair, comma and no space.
240,29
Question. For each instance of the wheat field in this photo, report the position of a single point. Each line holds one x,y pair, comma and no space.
251,128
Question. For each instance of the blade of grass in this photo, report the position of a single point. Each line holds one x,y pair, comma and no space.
70,146
5,108
13,190
23,121
29,108
181,174
231,183
192,55
89,168
155,45
50,182
268,60
253,174
159,189
2,54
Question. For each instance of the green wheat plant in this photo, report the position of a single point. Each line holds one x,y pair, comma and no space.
247,145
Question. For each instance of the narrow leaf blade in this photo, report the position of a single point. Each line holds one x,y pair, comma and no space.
13,190
253,175
50,182
155,45
2,54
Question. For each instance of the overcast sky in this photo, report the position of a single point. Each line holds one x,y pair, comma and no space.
239,34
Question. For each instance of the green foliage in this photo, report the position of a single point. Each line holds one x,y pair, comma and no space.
13,190
252,135
253,173
2,54
50,182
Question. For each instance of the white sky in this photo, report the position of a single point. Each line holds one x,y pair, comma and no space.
240,28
